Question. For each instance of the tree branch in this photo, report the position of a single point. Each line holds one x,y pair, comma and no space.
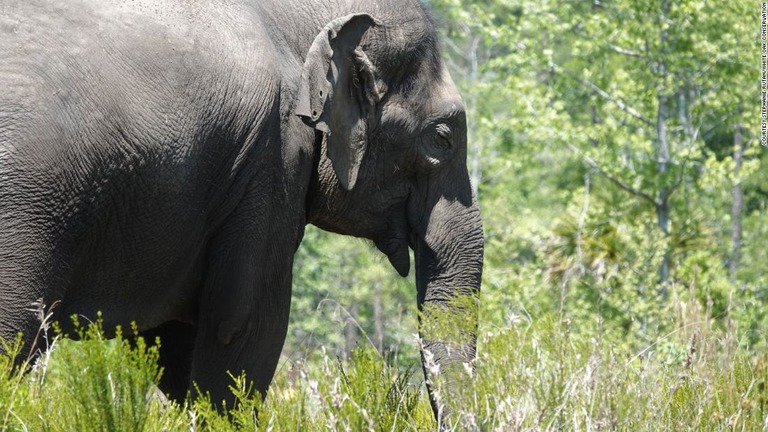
624,51
623,186
456,49
667,193
605,95
665,197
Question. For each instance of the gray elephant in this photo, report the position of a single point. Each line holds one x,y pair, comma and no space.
159,161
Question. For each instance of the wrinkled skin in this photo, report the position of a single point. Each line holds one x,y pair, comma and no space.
159,161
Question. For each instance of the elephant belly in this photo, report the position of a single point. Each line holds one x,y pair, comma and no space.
141,267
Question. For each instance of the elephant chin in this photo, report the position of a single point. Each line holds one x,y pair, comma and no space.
401,261
397,252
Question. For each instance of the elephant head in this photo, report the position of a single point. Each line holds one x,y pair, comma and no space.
391,142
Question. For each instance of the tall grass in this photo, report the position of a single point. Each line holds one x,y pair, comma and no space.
92,384
538,376
531,375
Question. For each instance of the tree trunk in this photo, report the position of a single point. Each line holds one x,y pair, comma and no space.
663,154
350,332
737,205
378,318
662,204
471,110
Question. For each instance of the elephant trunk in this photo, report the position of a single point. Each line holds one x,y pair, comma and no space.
449,264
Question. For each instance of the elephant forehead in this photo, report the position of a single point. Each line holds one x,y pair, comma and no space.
445,88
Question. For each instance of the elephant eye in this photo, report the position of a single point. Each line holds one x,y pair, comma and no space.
443,136
437,144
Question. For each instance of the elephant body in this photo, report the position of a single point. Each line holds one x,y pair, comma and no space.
160,159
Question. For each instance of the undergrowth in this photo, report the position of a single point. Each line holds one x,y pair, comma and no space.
531,375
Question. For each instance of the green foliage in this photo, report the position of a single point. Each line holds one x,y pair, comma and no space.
95,384
531,375
338,282
367,394
110,385
574,106
452,321
14,395
120,384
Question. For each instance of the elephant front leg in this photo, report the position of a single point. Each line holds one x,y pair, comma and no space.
243,321
176,347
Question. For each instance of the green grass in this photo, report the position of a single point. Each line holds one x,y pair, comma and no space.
531,375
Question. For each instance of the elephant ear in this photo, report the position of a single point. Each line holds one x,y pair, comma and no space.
339,91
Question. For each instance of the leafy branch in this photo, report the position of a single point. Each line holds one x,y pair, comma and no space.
627,188
607,96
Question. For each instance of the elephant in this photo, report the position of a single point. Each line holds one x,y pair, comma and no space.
160,160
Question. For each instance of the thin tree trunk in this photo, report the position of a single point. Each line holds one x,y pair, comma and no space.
663,154
350,332
737,205
378,318
471,104
662,205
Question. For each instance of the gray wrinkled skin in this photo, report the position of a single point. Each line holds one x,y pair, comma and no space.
159,160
